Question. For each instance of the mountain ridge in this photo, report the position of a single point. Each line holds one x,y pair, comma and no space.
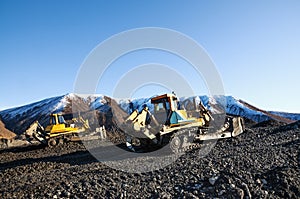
18,119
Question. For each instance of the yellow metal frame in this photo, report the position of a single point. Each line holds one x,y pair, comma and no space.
58,129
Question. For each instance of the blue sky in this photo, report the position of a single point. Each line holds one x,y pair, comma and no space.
255,45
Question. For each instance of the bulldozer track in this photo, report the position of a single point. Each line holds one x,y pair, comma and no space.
185,145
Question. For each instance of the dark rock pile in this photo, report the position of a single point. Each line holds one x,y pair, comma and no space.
261,163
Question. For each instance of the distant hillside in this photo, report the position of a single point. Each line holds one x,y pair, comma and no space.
20,118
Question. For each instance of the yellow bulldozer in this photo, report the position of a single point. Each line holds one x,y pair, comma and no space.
173,125
59,131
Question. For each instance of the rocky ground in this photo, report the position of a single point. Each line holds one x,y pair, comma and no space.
261,163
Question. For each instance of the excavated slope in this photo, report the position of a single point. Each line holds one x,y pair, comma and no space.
5,133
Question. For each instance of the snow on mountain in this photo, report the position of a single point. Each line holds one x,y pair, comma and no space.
137,104
216,104
20,118
234,107
98,102
292,116
54,104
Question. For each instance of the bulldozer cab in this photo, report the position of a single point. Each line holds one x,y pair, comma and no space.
57,119
57,124
167,110
163,106
164,102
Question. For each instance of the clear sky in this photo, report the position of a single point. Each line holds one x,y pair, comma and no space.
255,45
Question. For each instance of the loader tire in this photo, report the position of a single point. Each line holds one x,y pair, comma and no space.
52,142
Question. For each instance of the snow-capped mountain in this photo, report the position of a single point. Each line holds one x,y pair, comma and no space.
20,118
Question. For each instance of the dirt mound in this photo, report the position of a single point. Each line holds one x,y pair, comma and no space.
5,133
268,123
291,126
118,113
248,122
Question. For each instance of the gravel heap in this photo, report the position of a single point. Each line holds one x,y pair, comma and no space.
261,163
5,133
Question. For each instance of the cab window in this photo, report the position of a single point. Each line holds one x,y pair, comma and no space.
167,105
61,119
159,107
52,120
